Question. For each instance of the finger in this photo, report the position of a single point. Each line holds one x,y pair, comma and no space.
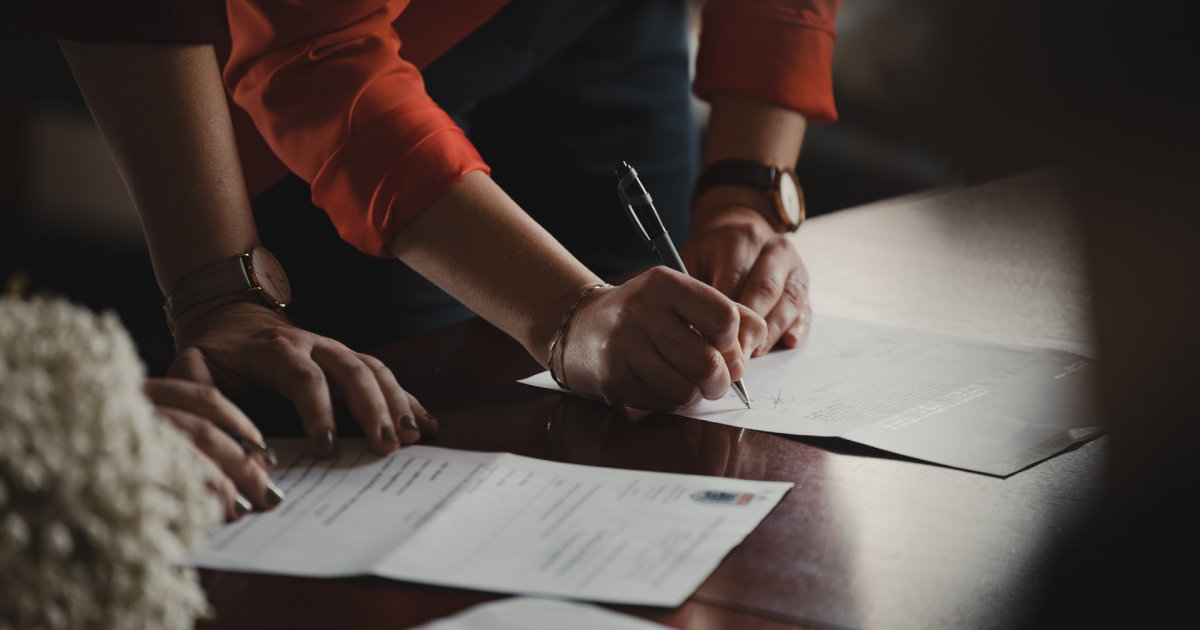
703,307
218,483
203,400
733,262
236,506
427,422
692,357
786,313
190,365
399,403
798,334
248,476
768,284
288,368
669,390
359,388
765,284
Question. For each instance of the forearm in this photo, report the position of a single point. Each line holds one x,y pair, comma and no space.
478,245
163,114
748,129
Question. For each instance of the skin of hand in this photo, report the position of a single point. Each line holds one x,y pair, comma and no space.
163,114
200,411
237,345
734,249
636,344
640,344
731,245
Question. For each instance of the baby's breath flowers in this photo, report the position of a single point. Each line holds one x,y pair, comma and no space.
99,498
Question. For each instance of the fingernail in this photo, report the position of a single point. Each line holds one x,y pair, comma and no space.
242,506
326,444
274,494
409,422
389,434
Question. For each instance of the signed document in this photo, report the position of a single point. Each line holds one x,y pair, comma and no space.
494,522
527,613
966,403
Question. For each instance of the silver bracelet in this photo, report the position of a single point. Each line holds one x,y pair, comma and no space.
563,327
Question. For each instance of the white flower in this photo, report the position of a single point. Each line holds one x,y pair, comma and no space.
99,498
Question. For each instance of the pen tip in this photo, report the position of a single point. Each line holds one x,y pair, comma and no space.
740,389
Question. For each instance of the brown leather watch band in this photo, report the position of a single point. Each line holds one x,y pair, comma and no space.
744,173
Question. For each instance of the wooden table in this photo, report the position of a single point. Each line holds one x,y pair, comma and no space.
865,540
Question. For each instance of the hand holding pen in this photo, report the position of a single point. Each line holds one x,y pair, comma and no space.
637,344
639,207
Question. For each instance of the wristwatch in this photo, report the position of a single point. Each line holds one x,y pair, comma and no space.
256,270
778,184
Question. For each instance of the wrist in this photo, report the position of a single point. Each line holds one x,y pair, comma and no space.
731,203
239,305
546,325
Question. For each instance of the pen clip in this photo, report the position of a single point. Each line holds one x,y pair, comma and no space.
627,202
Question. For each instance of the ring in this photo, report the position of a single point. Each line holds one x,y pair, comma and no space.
794,278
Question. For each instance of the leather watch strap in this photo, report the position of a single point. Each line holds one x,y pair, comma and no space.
744,173
223,278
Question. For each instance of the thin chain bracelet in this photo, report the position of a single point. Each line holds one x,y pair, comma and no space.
563,327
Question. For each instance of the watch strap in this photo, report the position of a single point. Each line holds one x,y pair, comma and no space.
223,278
744,173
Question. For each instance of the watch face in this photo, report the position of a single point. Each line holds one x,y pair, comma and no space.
268,273
789,197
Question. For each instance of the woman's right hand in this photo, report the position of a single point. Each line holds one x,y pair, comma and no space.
200,411
640,344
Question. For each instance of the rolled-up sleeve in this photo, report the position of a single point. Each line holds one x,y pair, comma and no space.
780,51
326,87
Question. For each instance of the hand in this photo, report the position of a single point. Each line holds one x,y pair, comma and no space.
201,411
640,344
242,344
734,249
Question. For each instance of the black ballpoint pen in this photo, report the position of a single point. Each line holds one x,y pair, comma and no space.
640,209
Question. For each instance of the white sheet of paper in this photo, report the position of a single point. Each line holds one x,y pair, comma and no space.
495,522
528,613
971,404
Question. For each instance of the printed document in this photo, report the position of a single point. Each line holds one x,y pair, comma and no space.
495,522
966,403
528,613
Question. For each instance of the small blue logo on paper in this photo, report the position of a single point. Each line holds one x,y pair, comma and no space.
727,498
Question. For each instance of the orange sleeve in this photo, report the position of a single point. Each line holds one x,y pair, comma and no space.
780,51
327,89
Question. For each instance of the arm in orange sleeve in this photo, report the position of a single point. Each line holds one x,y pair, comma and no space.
779,51
329,92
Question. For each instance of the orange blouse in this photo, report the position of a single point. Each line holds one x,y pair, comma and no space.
340,101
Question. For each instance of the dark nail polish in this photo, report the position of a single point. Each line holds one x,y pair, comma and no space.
242,506
409,422
326,444
388,434
274,495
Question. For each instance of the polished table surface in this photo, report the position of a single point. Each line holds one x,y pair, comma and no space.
865,539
